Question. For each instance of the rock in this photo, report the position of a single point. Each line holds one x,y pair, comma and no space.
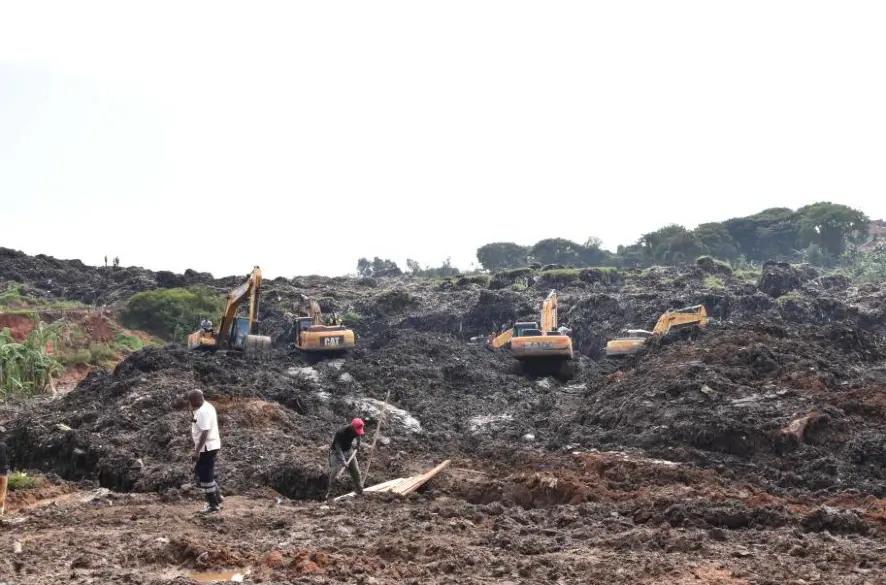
528,438
274,558
346,378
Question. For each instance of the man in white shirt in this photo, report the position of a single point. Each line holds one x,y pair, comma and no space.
207,442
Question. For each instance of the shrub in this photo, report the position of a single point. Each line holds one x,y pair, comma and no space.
713,266
748,274
481,279
130,342
714,282
559,277
26,367
603,275
514,273
20,482
170,312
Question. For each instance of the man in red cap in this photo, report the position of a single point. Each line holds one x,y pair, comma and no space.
339,454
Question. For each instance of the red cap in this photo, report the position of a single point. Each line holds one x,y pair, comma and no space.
357,423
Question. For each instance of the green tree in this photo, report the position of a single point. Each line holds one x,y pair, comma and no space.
378,267
672,244
715,237
413,266
167,311
502,256
831,226
557,251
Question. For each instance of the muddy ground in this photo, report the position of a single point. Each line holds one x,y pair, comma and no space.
752,452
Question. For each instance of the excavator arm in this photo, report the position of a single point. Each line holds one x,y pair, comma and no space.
549,312
679,317
251,287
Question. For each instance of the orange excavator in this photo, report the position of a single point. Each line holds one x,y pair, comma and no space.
630,341
236,332
530,342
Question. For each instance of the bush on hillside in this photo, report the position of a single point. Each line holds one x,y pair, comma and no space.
172,313
559,277
713,266
603,275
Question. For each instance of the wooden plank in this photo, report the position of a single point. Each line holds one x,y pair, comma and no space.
402,486
407,488
380,487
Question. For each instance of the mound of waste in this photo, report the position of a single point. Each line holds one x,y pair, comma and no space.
796,407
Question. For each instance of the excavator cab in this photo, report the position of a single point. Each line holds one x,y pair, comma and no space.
526,329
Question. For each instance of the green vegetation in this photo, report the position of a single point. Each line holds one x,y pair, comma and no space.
15,300
25,367
559,276
819,234
20,482
601,274
866,267
130,342
481,279
714,282
748,274
172,313
350,317
377,268
712,265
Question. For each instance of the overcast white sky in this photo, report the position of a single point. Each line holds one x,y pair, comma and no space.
302,135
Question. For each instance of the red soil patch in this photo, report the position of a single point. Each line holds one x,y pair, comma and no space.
19,325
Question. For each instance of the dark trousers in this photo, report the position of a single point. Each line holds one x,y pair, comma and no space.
205,472
353,470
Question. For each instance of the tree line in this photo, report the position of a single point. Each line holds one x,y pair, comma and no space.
819,234
822,234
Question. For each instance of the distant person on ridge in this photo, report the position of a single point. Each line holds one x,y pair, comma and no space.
339,454
207,443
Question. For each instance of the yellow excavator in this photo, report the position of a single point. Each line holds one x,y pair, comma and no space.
235,332
630,341
530,342
312,335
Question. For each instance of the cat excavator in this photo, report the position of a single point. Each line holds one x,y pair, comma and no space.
235,332
630,341
529,342
313,336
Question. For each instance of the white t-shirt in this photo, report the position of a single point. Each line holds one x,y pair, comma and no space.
206,420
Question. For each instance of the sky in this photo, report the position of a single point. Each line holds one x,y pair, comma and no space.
300,136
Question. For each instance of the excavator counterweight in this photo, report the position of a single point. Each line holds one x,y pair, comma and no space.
312,335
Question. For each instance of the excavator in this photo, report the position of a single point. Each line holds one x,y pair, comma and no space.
313,336
630,341
530,343
236,332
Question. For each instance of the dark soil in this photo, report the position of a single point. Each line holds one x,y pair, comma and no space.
753,451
